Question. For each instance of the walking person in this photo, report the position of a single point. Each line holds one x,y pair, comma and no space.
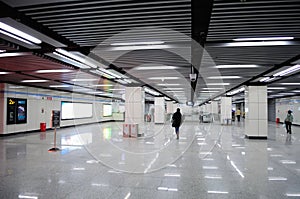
288,122
176,121
238,115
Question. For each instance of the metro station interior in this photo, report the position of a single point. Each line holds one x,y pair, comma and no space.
88,90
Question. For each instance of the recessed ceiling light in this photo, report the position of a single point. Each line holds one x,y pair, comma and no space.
218,84
34,80
54,71
237,66
163,78
138,43
264,39
155,68
224,77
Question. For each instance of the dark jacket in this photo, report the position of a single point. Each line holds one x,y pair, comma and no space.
176,119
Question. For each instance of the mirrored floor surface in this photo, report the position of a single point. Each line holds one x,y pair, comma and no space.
95,161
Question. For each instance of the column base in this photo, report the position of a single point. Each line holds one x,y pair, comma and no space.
256,137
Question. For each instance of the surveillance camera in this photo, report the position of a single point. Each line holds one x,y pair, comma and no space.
193,77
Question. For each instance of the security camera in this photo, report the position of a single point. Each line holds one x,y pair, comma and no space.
193,77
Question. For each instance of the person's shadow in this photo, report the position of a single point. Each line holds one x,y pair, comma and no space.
288,140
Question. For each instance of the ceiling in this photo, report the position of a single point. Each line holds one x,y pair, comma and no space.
102,37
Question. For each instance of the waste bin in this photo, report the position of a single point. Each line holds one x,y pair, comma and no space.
277,120
43,127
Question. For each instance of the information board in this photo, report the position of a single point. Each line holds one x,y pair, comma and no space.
16,111
55,118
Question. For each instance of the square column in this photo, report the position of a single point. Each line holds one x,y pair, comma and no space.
256,109
159,110
134,105
226,112
170,107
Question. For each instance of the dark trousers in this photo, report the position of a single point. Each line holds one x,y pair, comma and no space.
238,118
288,126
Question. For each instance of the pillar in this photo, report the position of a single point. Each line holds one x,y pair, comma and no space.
159,110
134,105
256,121
170,107
226,112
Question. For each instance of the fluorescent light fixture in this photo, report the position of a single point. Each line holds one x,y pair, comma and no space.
98,72
76,63
102,85
166,98
291,84
2,51
145,47
288,71
168,85
209,91
54,71
213,177
34,80
224,77
170,89
109,72
75,57
121,81
128,81
296,91
150,91
19,34
163,78
258,43
293,194
175,91
16,87
4,73
213,88
83,80
236,66
236,91
218,84
59,86
96,92
267,79
264,39
218,192
209,167
288,162
128,195
11,54
171,175
27,197
117,89
138,43
277,179
78,169
155,68
276,88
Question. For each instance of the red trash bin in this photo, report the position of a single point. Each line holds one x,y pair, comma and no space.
277,120
43,127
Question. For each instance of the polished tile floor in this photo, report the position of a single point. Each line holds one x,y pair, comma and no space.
95,161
